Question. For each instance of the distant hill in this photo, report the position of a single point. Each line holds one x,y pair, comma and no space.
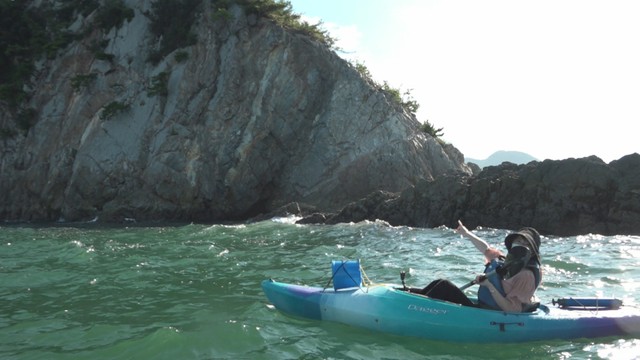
501,156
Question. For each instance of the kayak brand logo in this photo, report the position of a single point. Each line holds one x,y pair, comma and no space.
427,310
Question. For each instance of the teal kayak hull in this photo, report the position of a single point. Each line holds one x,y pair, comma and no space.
386,308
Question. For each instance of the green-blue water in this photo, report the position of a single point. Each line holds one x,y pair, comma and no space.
193,291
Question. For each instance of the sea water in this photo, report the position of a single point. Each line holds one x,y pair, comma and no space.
193,291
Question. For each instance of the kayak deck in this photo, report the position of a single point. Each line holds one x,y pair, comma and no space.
389,309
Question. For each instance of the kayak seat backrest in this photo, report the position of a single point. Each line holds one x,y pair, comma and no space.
531,307
346,274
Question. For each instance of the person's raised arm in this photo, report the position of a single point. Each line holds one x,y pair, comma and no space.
486,250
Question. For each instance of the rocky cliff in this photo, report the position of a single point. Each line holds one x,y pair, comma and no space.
559,197
249,117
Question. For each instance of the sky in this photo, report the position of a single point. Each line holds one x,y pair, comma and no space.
555,79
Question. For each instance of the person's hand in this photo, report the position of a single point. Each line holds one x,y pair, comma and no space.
461,229
481,280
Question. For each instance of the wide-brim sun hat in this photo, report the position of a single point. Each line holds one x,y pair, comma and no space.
530,234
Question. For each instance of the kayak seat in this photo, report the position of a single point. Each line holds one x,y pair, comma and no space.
531,307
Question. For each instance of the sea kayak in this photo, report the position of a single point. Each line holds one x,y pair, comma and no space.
389,308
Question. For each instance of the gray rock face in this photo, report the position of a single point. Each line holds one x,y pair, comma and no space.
255,118
566,197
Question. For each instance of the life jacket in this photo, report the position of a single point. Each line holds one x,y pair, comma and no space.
485,299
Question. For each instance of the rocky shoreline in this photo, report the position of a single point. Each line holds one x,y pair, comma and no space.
252,116
558,197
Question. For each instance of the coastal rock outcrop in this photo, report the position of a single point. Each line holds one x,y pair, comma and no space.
248,118
252,119
558,197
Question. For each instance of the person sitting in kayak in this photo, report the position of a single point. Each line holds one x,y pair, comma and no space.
509,283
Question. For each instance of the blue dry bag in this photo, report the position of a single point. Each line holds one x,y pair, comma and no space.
346,274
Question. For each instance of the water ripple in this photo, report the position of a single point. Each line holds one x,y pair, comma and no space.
193,291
